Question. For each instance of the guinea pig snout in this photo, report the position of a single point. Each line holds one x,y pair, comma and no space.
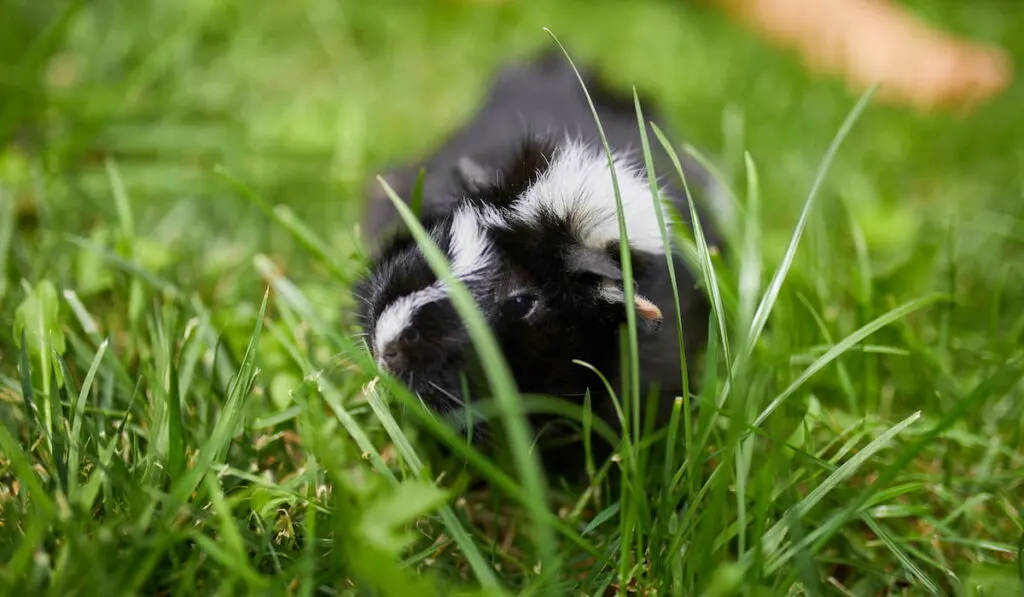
393,358
398,355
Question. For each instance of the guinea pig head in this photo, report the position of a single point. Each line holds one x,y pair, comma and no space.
536,242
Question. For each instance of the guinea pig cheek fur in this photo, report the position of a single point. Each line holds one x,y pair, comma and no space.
541,347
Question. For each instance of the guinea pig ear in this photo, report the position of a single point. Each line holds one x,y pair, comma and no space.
590,261
471,174
584,260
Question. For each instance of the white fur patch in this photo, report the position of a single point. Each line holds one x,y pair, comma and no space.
491,217
470,247
398,315
470,253
578,187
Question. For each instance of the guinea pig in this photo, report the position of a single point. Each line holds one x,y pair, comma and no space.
522,203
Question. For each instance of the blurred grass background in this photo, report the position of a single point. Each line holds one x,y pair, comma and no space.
303,102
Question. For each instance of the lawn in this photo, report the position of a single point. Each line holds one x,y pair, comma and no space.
183,411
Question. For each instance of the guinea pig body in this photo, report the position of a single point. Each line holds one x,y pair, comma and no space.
522,202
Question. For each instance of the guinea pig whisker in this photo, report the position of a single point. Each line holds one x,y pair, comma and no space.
419,397
423,403
359,295
452,397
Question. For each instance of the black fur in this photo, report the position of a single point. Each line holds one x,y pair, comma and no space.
526,162
513,138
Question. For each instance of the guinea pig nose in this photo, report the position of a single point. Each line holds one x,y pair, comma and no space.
392,357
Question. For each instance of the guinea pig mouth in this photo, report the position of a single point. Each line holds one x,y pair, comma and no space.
452,390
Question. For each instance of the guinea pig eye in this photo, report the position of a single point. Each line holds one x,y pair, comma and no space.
521,305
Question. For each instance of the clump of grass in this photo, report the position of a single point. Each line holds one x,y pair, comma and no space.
185,408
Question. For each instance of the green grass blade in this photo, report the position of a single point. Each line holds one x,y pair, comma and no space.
842,347
232,548
666,238
213,448
703,252
901,554
6,234
751,262
483,571
774,535
771,294
74,445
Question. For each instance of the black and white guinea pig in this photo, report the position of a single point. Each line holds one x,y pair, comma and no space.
522,202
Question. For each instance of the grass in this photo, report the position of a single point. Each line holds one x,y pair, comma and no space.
185,409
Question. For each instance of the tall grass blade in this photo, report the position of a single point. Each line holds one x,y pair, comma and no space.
771,294
842,347
483,571
74,445
703,252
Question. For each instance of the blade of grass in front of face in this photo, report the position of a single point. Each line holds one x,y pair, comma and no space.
704,253
290,297
674,419
632,359
771,294
666,238
502,384
416,199
842,347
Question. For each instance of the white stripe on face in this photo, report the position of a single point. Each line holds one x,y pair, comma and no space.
398,315
578,187
470,253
